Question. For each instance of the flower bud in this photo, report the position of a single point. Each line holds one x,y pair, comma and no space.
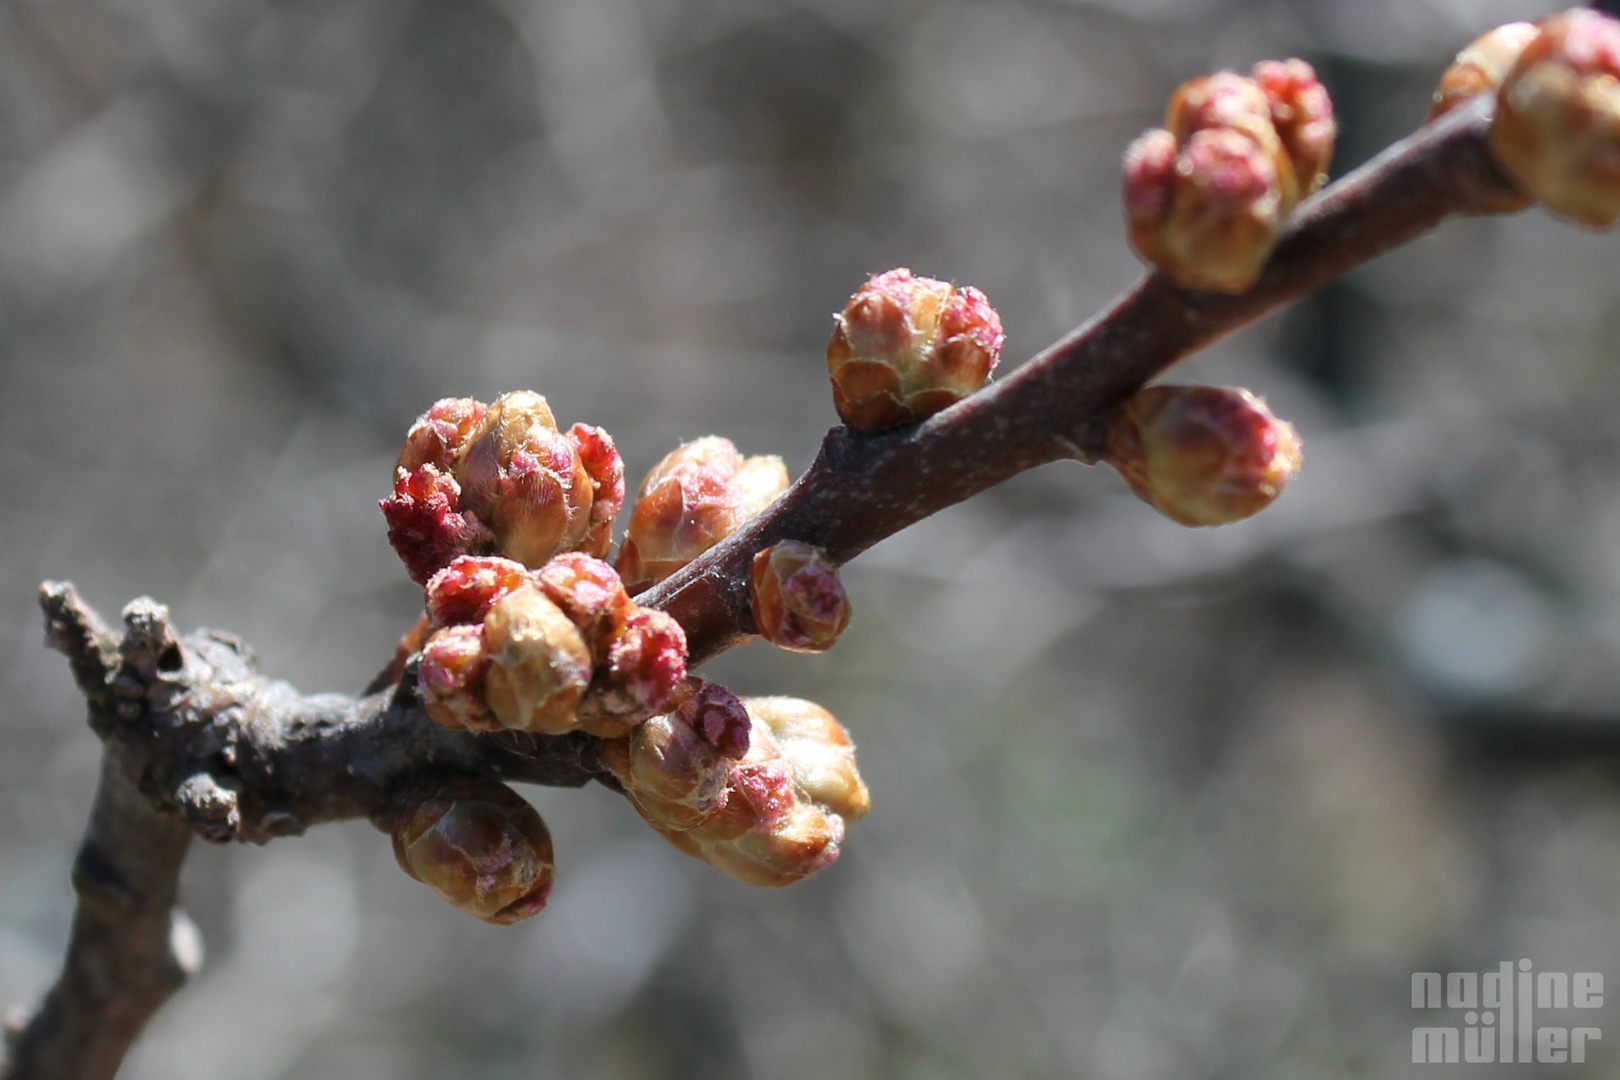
451,678
643,665
539,666
906,347
1482,66
483,849
803,840
1206,194
1202,455
526,480
798,600
694,498
438,436
675,766
1557,126
1302,113
606,469
464,591
589,592
818,752
425,523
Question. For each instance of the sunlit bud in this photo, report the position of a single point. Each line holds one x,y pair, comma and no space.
1206,194
798,600
700,493
1302,113
589,592
451,677
637,675
1557,127
804,840
525,479
483,849
1482,66
464,591
426,525
675,765
539,666
1202,455
818,751
760,790
906,347
439,434
606,469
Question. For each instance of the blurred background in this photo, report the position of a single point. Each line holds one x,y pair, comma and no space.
1149,802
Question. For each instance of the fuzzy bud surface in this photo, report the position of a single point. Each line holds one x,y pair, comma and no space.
905,347
691,500
1557,126
1202,455
484,849
798,600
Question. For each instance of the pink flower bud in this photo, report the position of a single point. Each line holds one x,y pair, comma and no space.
451,677
425,523
694,498
606,469
539,666
798,600
1482,66
438,436
675,766
818,752
464,591
1557,127
906,347
483,849
643,666
1302,113
526,480
1202,455
1205,195
589,592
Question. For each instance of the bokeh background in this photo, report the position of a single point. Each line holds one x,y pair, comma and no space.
1149,803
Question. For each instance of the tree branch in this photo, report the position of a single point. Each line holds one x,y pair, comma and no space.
863,488
198,741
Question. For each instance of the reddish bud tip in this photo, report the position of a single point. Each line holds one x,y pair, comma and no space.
606,470
1557,126
589,592
694,498
464,591
439,434
644,664
906,347
483,849
1205,195
798,601
425,523
451,677
1202,455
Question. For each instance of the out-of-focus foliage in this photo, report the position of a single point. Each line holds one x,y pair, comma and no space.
1147,802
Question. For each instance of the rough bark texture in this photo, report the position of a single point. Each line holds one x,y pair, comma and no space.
197,741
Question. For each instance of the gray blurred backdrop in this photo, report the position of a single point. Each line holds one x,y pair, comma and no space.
1148,802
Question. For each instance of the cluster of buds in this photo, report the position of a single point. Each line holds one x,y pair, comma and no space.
760,788
797,598
501,479
694,498
1557,125
906,347
1206,194
481,847
1202,455
548,651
